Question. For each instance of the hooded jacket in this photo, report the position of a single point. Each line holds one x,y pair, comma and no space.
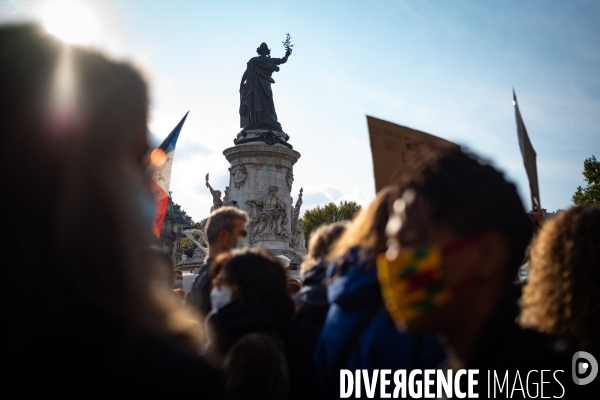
359,333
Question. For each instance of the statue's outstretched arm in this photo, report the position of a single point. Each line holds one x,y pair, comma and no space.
283,60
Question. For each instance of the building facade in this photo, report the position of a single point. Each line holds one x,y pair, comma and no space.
176,221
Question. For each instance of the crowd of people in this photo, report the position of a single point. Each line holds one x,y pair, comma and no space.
424,277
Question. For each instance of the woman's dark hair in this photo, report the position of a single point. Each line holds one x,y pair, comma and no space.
470,196
260,278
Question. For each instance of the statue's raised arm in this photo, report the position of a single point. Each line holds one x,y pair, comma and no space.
282,60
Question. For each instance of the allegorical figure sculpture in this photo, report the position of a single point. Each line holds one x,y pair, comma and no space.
216,194
197,237
268,216
226,195
257,109
298,240
296,211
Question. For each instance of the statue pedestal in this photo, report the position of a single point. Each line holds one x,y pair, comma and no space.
261,182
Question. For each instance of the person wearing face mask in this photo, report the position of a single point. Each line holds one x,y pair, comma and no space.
358,333
225,231
456,238
177,279
178,284
251,307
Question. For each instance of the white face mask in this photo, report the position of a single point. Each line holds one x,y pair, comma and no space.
220,297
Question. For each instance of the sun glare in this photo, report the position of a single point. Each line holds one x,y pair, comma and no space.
70,21
158,157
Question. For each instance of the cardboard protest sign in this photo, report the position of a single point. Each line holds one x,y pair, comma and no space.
392,145
529,156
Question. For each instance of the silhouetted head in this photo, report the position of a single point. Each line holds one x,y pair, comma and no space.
263,49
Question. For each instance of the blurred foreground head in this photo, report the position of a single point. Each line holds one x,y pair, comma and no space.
457,235
562,294
74,128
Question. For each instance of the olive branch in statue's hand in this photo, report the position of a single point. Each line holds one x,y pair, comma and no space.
287,44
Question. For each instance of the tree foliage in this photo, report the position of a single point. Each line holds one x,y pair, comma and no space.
591,193
329,213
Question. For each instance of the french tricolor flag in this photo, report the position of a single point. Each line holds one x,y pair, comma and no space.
162,159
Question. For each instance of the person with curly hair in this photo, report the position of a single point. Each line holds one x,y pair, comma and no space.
562,296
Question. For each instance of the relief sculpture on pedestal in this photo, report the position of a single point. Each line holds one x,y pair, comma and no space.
240,173
268,218
290,180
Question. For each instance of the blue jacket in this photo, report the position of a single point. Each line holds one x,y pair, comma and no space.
356,303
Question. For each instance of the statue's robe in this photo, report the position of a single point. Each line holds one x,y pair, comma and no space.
256,97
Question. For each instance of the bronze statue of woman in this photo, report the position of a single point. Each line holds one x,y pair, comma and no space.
257,109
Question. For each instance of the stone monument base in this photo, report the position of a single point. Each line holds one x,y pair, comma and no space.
261,182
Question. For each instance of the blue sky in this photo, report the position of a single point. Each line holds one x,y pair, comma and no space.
444,67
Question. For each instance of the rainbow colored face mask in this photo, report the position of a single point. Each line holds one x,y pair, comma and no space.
413,283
